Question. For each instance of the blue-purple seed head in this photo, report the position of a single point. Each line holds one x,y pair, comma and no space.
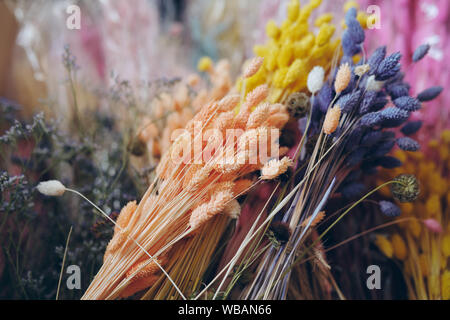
420,52
429,94
407,103
356,31
408,144
324,97
376,58
393,117
349,46
372,137
356,156
353,190
411,127
389,67
397,90
350,15
389,209
371,119
380,101
368,100
382,148
349,101
388,162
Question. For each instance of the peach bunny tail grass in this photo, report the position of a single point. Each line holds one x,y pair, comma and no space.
274,168
253,67
343,77
319,217
331,121
190,197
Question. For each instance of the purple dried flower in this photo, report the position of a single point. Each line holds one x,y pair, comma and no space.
376,58
388,135
371,138
380,101
349,101
349,46
411,127
351,14
383,148
371,119
353,176
408,144
356,157
324,97
355,30
392,117
367,102
429,94
398,90
353,190
389,209
389,67
388,162
420,52
353,139
407,103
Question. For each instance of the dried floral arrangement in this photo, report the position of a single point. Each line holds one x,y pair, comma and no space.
224,184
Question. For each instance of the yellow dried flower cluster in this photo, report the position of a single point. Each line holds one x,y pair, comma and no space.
425,254
292,51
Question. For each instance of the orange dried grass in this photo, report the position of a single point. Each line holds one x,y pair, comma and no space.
185,196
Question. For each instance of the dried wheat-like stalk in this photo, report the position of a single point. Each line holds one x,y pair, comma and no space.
197,181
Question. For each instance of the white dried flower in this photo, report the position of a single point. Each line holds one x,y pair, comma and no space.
374,85
315,79
51,188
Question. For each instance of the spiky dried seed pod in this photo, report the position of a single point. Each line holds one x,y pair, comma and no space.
281,231
406,188
298,105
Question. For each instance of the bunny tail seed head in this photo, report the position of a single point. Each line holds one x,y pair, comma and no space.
51,188
343,77
331,121
253,67
315,79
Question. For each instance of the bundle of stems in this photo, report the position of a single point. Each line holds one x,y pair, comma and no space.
350,116
197,179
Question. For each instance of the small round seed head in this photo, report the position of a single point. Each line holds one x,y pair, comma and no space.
298,105
405,188
343,77
281,231
137,147
51,188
